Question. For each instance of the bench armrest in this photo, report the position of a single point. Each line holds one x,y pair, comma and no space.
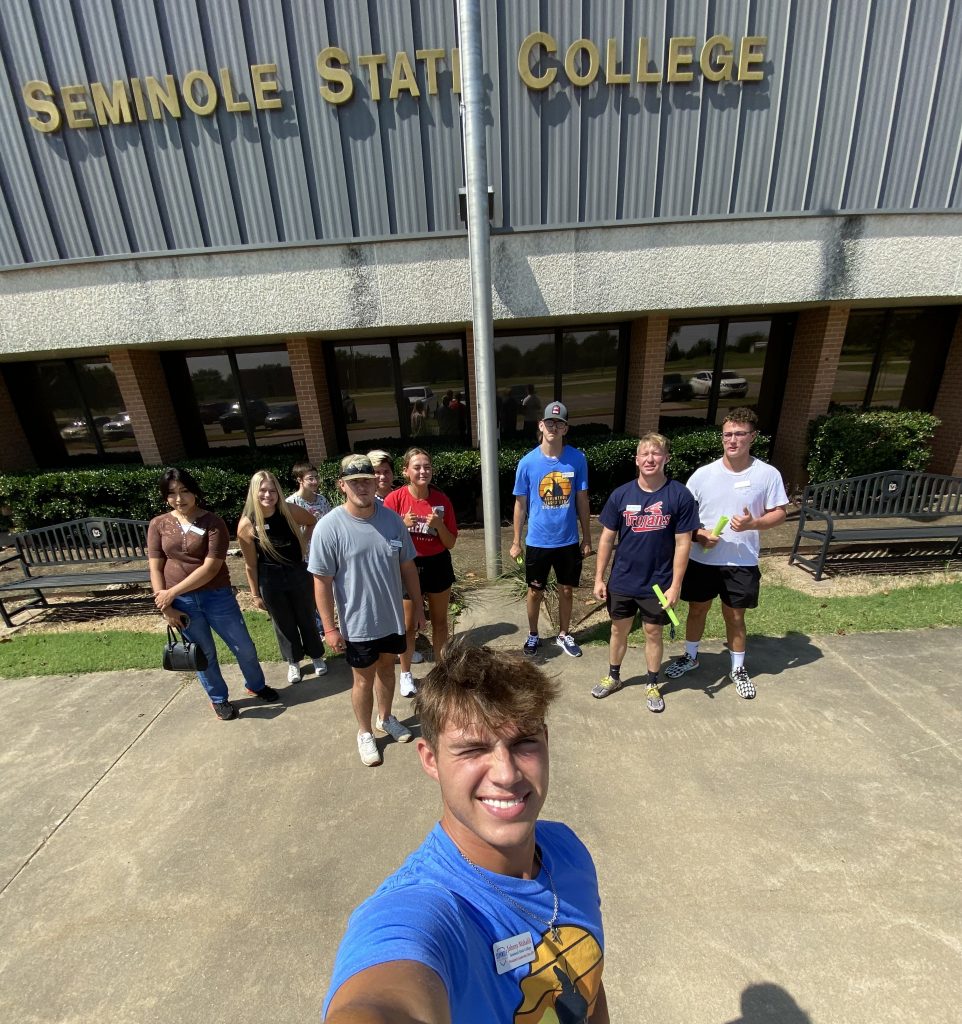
16,558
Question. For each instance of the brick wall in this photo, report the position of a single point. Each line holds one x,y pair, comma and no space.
647,347
143,387
947,444
313,400
15,453
808,389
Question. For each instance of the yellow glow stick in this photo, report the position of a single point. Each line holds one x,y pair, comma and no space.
719,526
663,601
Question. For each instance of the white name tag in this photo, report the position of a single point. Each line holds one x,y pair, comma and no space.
196,529
395,544
742,484
632,508
513,952
569,476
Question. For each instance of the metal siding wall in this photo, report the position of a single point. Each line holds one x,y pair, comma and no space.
883,59
681,103
793,154
130,186
837,121
600,121
320,137
913,113
758,115
944,146
642,136
400,123
367,185
860,109
521,112
719,116
164,156
441,125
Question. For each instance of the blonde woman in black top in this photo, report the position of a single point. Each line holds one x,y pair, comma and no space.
273,537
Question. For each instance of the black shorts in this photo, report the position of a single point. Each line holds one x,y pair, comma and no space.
364,653
436,572
621,606
736,585
566,562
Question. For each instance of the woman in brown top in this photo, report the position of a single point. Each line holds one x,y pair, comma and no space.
187,548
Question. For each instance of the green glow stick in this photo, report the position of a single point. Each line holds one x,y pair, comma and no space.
663,601
719,526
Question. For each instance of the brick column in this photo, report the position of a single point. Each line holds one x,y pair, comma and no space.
947,443
647,347
472,395
808,388
143,387
15,452
313,398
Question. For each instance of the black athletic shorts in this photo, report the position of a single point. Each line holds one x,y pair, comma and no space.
736,585
621,606
435,572
364,653
566,562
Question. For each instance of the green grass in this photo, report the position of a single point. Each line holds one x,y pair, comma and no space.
110,650
782,611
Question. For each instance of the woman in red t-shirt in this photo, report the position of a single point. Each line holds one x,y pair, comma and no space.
429,516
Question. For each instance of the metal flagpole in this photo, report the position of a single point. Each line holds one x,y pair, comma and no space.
479,249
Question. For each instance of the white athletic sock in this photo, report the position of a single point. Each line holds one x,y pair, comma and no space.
738,659
691,649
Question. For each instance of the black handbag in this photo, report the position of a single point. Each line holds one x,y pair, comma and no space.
182,655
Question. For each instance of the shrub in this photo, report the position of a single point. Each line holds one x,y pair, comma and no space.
845,444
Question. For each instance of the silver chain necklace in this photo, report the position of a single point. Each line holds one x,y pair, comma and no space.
550,925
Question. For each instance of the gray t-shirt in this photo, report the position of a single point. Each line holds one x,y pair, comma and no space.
364,556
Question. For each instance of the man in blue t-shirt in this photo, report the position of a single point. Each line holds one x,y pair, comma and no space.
495,918
652,518
551,491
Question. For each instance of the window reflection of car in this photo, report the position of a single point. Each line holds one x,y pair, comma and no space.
349,407
120,426
283,417
730,385
419,393
674,388
78,428
211,412
231,420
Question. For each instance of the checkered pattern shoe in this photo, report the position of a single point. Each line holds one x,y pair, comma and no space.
606,686
744,686
654,699
680,666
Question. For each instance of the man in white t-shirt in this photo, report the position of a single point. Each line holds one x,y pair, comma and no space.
750,495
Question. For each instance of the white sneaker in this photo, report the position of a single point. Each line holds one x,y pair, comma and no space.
407,685
367,748
293,672
320,666
394,728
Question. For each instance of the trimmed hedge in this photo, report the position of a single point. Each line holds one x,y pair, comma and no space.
845,444
29,500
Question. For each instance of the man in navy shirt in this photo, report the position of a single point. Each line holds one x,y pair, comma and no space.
652,519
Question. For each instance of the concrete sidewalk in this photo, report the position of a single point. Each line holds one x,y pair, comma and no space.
791,859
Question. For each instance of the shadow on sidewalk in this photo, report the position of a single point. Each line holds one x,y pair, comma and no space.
769,1004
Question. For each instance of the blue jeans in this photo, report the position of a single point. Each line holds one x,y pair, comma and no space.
218,610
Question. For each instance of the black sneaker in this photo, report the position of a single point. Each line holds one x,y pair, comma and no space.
225,711
268,694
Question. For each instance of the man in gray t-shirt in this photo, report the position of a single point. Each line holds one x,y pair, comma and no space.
362,559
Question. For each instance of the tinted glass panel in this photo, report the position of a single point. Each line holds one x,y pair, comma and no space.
863,335
589,363
59,387
689,368
524,368
432,370
98,384
269,390
367,391
215,391
745,349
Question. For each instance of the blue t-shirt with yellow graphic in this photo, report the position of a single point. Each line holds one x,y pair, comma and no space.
439,911
550,486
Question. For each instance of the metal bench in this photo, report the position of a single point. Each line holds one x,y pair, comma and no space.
834,511
95,546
